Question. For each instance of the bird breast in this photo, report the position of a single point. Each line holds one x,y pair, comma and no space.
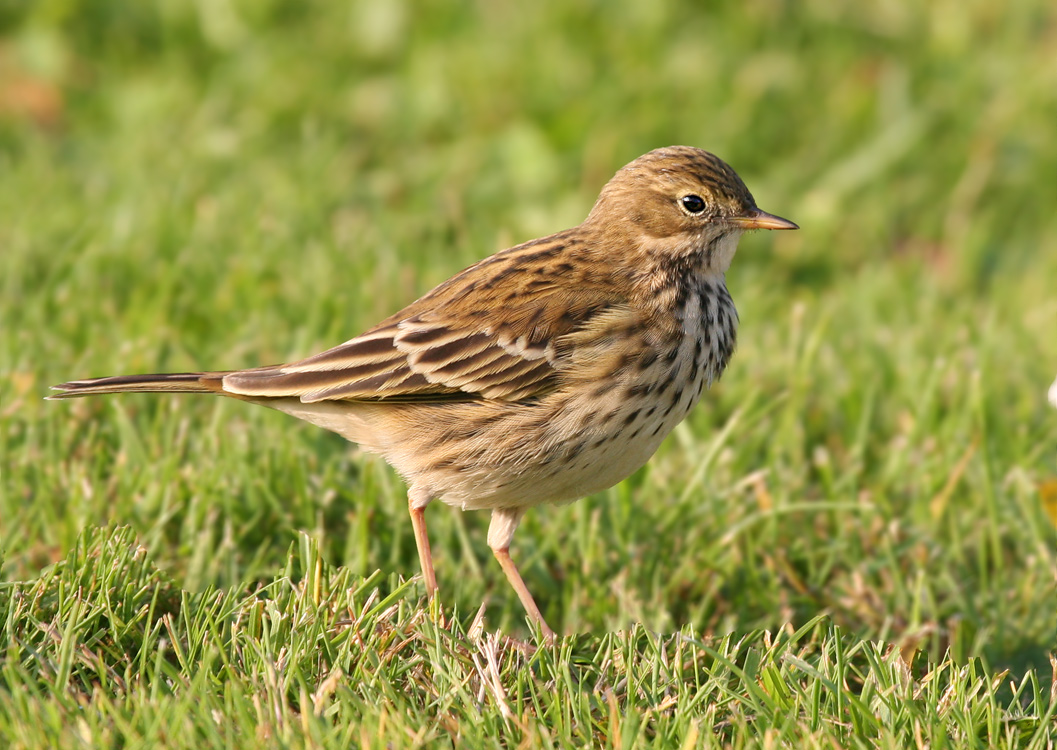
580,441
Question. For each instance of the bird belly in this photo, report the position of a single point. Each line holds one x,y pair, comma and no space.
576,444
564,446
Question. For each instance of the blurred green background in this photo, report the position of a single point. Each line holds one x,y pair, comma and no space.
194,185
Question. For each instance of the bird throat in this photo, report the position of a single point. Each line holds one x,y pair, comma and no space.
709,326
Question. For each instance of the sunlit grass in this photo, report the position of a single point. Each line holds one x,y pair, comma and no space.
850,542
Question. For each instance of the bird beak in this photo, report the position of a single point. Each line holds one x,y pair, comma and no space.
758,219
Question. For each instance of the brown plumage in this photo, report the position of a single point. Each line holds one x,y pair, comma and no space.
541,374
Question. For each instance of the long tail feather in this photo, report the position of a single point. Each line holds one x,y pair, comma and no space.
175,382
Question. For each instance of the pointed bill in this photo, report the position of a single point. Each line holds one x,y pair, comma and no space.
762,220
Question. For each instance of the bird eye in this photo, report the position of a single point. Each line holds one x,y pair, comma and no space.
693,203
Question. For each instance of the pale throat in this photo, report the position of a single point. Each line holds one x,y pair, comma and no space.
722,251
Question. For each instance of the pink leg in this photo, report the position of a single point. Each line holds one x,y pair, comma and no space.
502,554
425,557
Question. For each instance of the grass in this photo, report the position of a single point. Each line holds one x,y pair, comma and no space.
850,542
330,660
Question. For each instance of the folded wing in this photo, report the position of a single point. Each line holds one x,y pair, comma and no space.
504,349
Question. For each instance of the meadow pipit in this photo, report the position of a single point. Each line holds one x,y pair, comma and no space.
541,374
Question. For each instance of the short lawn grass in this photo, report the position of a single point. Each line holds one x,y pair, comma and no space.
852,541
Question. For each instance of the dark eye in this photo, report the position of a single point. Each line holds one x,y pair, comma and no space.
693,203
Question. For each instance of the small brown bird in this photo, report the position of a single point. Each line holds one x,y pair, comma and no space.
544,373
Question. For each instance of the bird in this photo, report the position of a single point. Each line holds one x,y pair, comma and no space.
541,374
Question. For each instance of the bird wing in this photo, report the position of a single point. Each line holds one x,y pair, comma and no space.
470,338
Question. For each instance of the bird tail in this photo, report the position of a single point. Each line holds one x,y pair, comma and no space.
175,382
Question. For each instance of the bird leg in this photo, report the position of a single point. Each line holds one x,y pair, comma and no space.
500,532
425,557
503,556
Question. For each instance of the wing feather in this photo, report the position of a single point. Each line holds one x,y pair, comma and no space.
441,347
